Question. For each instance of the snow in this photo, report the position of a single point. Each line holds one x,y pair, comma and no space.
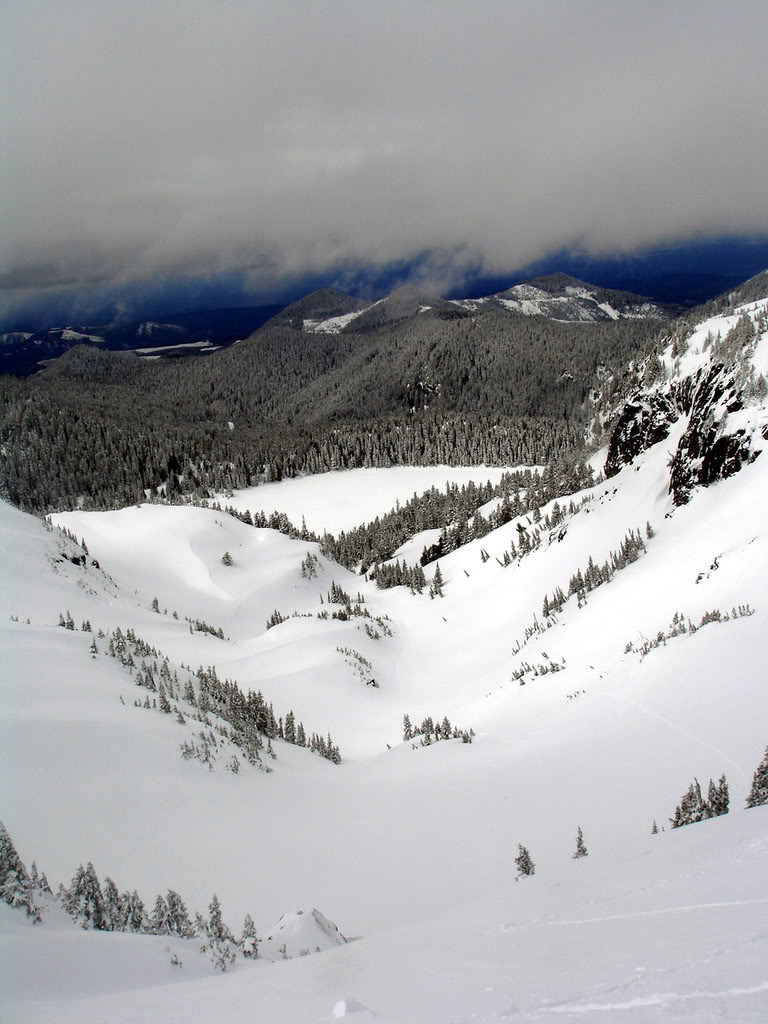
299,933
696,355
409,850
174,347
69,335
351,497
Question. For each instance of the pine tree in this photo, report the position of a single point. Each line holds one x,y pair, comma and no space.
178,916
226,558
159,919
581,850
525,865
289,729
84,901
9,857
758,793
219,941
691,808
437,582
407,729
163,702
654,828
718,797
249,941
113,910
134,913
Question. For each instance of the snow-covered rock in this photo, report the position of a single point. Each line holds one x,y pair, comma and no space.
300,933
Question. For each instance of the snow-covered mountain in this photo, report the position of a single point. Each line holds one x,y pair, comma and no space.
555,297
605,650
564,298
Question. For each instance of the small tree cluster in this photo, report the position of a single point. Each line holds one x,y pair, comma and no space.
399,574
17,888
101,907
309,566
583,582
758,793
682,626
693,807
435,728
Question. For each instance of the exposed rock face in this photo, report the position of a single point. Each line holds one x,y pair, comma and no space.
645,420
707,450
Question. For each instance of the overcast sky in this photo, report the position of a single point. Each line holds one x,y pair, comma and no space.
144,139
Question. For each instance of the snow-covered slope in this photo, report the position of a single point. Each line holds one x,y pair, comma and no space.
599,714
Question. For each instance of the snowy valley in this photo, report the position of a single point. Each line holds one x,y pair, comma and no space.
578,666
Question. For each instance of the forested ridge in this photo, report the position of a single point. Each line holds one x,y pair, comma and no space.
445,386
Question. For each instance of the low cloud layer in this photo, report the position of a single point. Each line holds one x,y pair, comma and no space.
145,140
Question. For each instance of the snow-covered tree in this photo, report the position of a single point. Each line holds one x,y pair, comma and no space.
134,913
219,941
581,850
114,921
718,797
758,793
84,901
693,807
407,729
159,920
249,940
178,915
525,865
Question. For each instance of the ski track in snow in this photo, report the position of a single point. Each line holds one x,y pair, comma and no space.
621,699
722,904
657,999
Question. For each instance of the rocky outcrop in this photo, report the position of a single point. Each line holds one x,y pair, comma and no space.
645,420
708,451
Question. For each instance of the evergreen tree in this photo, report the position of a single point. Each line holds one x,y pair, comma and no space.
84,901
219,941
249,941
581,850
407,729
159,920
437,581
758,793
718,797
134,913
691,808
525,865
163,703
289,729
226,558
178,916
114,920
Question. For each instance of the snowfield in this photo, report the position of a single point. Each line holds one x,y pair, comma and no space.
352,497
589,719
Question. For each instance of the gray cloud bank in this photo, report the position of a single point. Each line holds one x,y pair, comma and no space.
148,139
